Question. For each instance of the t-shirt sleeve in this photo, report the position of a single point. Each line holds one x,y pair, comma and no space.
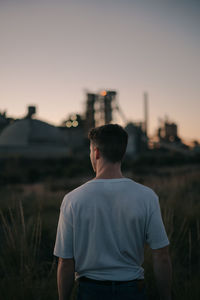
156,235
64,238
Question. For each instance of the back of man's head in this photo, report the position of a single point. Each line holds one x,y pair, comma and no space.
111,140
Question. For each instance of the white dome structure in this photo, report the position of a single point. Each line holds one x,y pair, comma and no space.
30,131
32,138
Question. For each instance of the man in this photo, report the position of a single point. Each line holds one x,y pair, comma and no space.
104,225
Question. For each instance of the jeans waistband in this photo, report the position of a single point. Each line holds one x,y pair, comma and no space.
107,282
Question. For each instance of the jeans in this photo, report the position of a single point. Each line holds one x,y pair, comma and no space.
127,291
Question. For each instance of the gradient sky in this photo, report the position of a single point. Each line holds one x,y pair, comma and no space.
52,51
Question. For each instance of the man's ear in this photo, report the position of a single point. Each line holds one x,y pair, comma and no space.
97,153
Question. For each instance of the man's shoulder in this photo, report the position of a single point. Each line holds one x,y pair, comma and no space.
145,189
145,196
76,194
91,187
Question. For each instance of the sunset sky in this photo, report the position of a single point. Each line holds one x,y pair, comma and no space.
53,51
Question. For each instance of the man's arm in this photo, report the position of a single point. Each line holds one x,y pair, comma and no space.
163,272
65,277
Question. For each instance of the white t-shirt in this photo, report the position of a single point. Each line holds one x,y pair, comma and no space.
104,225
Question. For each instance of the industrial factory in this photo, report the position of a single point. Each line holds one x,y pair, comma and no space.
33,138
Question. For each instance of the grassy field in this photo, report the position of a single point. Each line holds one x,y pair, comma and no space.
28,222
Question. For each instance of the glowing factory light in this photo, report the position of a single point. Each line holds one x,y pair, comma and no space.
74,117
103,93
68,124
75,123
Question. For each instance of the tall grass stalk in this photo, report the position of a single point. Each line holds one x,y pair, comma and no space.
22,271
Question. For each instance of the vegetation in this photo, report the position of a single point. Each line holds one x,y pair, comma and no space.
28,221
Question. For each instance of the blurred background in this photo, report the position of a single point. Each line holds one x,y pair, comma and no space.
67,66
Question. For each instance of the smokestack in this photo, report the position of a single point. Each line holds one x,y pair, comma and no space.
31,112
146,113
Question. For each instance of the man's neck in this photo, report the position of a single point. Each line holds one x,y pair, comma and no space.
109,171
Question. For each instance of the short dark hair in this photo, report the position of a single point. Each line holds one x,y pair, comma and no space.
111,140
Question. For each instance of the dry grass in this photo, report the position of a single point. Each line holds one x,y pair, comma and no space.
28,221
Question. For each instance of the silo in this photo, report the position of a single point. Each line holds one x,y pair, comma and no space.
90,111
